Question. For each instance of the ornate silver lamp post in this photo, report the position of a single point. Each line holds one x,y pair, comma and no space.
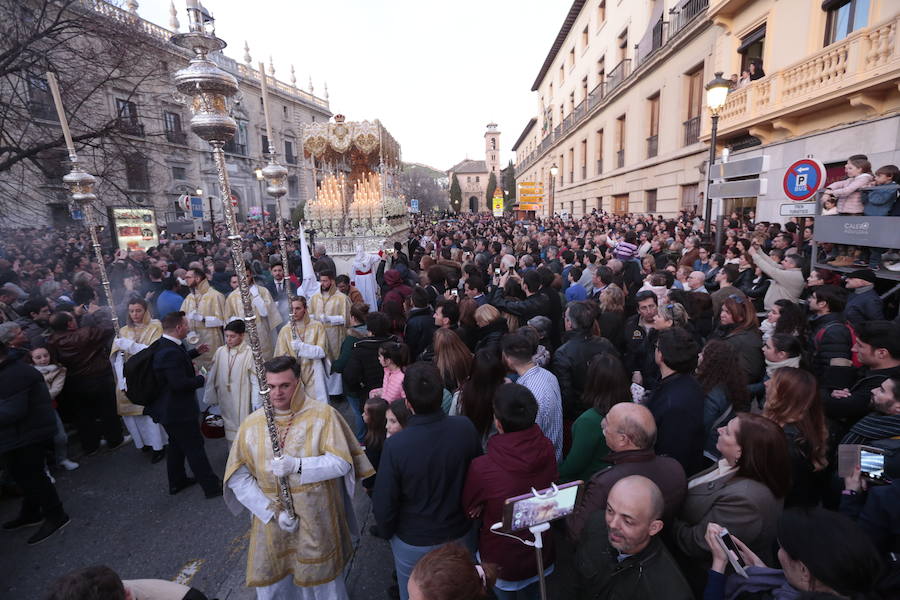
209,90
81,185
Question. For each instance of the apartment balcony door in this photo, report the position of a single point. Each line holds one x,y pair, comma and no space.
620,204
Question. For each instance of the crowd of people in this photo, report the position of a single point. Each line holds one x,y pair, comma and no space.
692,392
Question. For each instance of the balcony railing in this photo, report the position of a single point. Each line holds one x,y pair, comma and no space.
234,148
866,58
176,137
618,74
652,146
290,159
130,126
620,158
692,131
664,34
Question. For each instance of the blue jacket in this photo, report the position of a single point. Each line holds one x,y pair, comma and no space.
421,474
863,306
879,199
177,401
677,407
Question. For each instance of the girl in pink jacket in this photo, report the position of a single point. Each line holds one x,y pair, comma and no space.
393,356
847,191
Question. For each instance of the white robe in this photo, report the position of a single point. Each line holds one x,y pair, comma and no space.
366,284
236,393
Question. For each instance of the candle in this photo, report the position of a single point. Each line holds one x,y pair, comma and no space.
57,100
265,98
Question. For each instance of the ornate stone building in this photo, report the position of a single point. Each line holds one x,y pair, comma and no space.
473,175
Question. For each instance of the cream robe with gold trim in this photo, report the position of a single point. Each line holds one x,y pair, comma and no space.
317,552
312,371
209,303
235,390
333,304
265,325
148,332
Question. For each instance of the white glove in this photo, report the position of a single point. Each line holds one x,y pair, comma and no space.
212,321
304,350
122,344
285,465
338,320
195,316
260,306
287,523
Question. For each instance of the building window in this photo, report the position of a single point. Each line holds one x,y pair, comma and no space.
468,180
584,158
620,204
174,133
179,173
571,102
601,13
128,121
584,38
265,145
690,197
584,89
650,206
179,209
601,70
620,142
572,57
622,45
284,111
238,144
293,186
653,138
136,173
478,179
598,152
694,106
289,156
550,93
40,103
562,74
844,17
571,165
751,48
54,164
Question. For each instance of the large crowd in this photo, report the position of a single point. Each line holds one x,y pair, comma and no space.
699,395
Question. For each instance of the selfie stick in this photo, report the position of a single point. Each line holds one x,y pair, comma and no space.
538,543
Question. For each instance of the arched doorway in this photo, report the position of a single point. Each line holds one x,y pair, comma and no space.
473,204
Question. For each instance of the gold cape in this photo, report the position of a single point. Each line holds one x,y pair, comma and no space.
234,308
208,302
335,304
150,331
309,332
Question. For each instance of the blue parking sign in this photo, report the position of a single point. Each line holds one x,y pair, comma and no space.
803,179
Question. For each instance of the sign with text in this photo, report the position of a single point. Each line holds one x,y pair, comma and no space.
498,206
414,205
134,228
196,207
798,209
803,179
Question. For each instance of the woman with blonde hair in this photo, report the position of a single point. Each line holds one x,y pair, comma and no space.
612,316
452,358
793,402
491,326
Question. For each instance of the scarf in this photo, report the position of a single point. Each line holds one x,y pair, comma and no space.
771,367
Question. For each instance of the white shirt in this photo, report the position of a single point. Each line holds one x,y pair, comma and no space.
172,339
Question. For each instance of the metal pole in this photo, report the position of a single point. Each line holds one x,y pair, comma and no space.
707,220
212,222
98,254
208,89
552,193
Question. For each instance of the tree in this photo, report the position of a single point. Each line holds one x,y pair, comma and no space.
99,57
455,194
509,182
421,182
491,188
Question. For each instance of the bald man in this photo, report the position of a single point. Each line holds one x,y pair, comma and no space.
630,433
696,282
621,555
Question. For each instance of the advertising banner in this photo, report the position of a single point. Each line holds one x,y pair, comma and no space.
134,228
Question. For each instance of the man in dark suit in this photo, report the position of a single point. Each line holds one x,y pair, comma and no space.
281,289
176,408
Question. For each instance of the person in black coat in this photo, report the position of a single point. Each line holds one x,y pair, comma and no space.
176,408
363,372
677,402
570,361
830,340
534,304
419,323
555,302
27,427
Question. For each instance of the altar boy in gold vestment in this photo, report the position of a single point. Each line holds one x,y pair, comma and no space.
303,557
304,339
331,308
204,308
231,383
267,316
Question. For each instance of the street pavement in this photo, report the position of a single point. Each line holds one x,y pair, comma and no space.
122,516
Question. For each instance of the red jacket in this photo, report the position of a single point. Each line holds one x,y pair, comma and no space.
514,463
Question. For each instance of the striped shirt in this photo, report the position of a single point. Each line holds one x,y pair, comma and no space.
545,388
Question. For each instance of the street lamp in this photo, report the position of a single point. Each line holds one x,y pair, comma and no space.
554,170
716,94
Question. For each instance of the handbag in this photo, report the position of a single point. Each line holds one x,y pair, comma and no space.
212,426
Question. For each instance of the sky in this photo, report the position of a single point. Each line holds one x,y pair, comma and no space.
434,73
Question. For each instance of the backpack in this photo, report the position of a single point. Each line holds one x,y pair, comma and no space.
142,387
854,355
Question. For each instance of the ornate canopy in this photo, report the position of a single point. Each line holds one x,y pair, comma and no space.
363,141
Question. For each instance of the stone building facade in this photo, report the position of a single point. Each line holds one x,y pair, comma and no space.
473,175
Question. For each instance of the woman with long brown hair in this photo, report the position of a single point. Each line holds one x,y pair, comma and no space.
740,328
725,385
793,402
452,358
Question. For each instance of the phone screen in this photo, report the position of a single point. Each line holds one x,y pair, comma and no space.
532,511
729,543
871,463
496,271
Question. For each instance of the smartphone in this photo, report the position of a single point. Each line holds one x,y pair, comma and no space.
528,510
454,293
871,462
732,552
496,271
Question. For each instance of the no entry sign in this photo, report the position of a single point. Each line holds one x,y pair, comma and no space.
803,178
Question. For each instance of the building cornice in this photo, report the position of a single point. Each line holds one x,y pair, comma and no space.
569,21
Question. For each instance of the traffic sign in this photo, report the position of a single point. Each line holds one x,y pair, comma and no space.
798,209
196,205
803,179
413,205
